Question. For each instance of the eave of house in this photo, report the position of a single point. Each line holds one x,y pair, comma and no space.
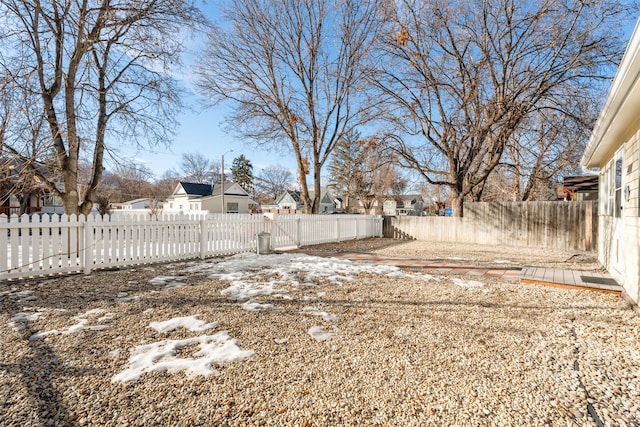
620,116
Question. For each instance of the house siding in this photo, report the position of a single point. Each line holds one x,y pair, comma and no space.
631,220
618,125
631,213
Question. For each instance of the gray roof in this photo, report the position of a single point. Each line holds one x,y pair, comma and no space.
195,189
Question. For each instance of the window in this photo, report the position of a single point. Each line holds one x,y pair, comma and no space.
618,187
232,207
602,188
608,188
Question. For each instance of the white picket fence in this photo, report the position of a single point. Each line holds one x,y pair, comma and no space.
43,245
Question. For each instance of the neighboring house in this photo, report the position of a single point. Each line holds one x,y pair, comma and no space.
408,204
613,152
36,197
144,203
291,202
578,188
329,203
137,206
40,199
189,197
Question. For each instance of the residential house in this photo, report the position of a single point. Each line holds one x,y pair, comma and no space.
407,204
144,203
190,197
290,201
39,199
21,193
578,188
613,152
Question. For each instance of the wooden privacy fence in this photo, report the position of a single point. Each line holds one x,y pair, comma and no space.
559,225
36,245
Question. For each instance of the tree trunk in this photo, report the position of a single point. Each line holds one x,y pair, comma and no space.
24,199
457,205
70,197
316,188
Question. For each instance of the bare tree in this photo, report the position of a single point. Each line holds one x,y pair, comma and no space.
272,182
21,133
98,68
462,77
362,169
547,146
164,186
376,176
198,168
292,71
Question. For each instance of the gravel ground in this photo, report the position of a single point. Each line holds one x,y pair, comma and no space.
402,351
480,255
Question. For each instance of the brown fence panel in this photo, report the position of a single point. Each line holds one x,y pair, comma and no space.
559,225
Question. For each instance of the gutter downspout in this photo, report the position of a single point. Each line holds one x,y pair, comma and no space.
590,171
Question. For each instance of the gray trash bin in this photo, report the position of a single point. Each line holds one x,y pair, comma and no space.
264,243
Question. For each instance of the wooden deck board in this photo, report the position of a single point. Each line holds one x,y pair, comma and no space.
567,279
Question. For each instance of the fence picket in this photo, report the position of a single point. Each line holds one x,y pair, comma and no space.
61,243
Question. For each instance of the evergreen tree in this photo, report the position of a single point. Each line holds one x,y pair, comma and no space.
242,171
346,164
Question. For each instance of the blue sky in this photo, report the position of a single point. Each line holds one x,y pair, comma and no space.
201,130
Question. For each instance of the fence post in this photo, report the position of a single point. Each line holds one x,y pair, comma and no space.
337,229
203,238
588,227
87,246
357,231
298,231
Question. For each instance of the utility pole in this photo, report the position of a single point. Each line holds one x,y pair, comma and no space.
224,210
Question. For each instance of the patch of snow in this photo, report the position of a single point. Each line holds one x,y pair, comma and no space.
243,271
191,323
502,261
83,323
168,282
319,333
413,276
20,320
123,297
256,306
467,283
298,269
315,312
22,294
161,357
38,335
240,291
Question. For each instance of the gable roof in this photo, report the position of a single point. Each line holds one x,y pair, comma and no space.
619,118
131,202
293,195
195,189
581,183
230,189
